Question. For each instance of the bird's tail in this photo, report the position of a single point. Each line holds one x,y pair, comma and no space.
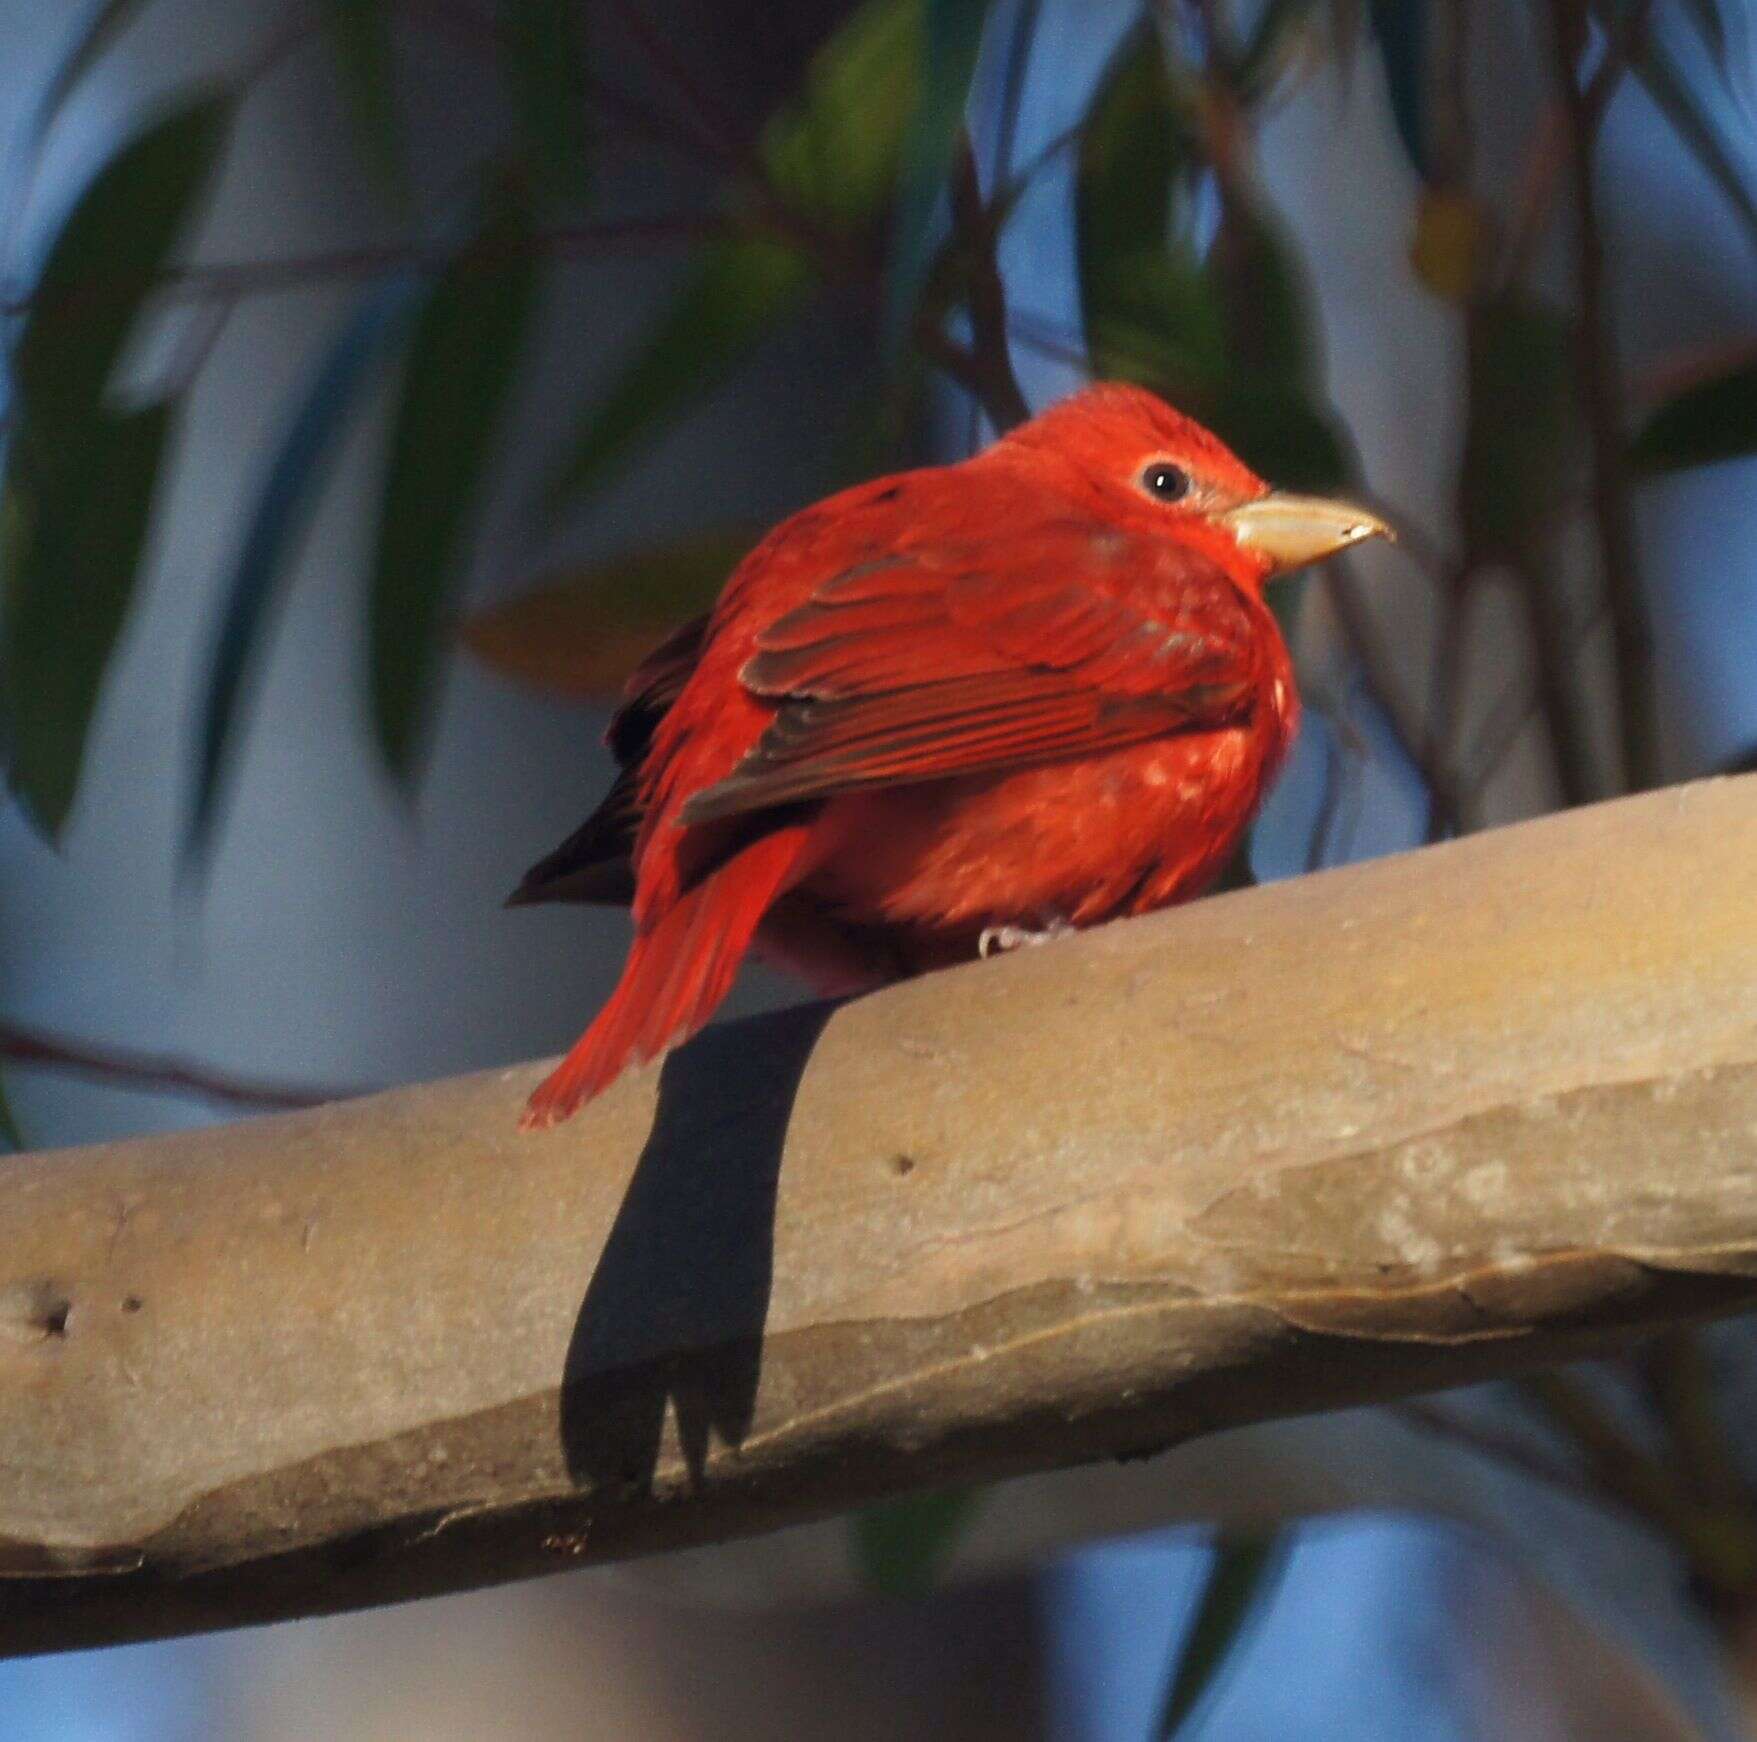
677,973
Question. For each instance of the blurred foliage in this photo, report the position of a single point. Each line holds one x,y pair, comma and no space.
902,1546
579,633
1241,1577
463,354
1190,284
835,197
1710,420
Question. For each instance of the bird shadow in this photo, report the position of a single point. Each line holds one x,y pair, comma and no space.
676,1306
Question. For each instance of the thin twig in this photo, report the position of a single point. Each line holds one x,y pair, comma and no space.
1446,683
1710,1540
1018,60
1515,1454
230,280
1558,694
998,387
1514,707
1675,1374
1602,394
1451,802
143,1070
1549,148
716,127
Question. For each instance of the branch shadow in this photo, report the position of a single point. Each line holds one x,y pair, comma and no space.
689,1262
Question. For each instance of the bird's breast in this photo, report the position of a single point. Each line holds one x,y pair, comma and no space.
1121,832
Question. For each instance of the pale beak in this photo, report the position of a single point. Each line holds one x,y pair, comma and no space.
1289,531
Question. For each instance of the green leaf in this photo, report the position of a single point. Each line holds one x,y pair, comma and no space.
1271,320
901,1547
101,266
361,45
282,512
1711,421
71,558
834,153
1150,313
541,54
1280,434
742,288
1272,46
1694,123
1153,318
580,633
1521,426
463,361
952,35
1133,148
1241,1577
1400,32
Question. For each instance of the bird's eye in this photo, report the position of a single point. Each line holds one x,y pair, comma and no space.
1165,483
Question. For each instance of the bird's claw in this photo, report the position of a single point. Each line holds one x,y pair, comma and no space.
998,939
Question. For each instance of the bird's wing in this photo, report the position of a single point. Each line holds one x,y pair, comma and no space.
974,659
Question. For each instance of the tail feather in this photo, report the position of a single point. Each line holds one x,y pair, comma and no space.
677,973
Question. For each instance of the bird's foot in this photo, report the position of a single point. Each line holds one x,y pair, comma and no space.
996,940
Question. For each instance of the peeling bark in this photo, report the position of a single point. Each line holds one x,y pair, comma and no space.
1445,1116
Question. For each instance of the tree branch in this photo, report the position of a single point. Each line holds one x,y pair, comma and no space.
1442,1117
127,1069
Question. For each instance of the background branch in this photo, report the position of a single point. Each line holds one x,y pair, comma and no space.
126,1068
1441,1117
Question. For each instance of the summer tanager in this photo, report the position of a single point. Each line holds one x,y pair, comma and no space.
974,704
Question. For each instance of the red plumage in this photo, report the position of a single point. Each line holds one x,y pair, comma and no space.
1038,687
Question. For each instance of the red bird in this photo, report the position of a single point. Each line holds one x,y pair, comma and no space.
971,704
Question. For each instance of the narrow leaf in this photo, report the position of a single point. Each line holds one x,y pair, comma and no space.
463,360
1712,421
1241,1577
742,288
1132,149
103,23
1150,314
1522,426
72,557
545,73
1271,320
101,266
902,1546
835,151
11,1138
579,635
1280,433
1400,32
294,480
1272,46
1710,26
952,35
360,40
1694,123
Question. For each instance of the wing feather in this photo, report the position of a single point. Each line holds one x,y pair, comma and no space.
956,660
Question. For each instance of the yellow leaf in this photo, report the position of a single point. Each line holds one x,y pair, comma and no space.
1450,244
579,633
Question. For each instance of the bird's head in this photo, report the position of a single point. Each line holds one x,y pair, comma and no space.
1152,467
